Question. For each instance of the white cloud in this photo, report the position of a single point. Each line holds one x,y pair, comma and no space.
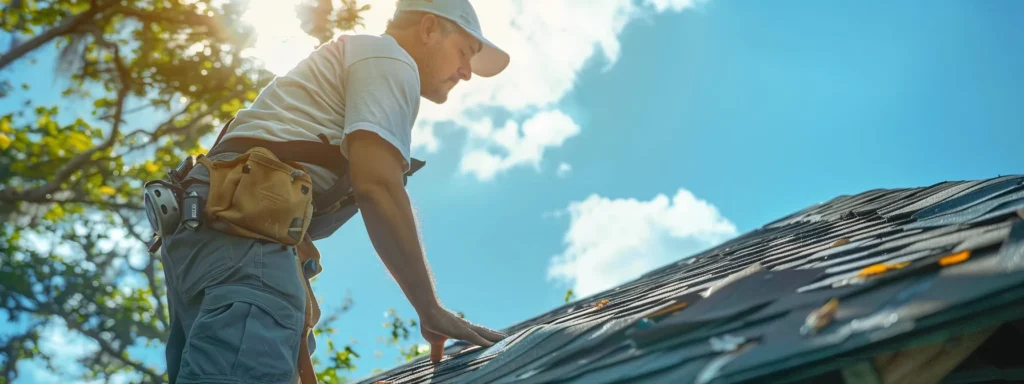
675,5
564,169
517,145
549,42
612,241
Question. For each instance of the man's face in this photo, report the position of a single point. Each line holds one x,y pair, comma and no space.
445,62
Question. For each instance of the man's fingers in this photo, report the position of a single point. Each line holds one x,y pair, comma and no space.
488,334
472,337
436,351
460,333
459,329
485,332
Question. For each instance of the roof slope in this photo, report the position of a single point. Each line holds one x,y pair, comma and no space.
902,264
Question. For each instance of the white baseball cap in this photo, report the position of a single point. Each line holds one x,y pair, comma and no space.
491,60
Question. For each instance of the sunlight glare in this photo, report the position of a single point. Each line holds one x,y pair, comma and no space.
280,41
375,18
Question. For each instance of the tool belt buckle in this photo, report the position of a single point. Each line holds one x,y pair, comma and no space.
178,174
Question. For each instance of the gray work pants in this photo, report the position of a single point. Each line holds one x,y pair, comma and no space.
236,307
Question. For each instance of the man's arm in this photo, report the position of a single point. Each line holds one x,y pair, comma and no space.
375,172
382,96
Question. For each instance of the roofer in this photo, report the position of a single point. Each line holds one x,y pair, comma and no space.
331,136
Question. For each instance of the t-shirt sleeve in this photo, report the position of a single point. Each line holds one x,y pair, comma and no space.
382,96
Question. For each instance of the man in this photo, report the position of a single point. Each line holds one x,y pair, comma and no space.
238,303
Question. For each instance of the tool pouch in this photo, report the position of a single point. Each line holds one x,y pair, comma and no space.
257,195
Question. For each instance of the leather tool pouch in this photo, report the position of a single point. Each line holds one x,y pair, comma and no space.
257,195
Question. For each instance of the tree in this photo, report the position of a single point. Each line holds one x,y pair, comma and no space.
399,334
154,77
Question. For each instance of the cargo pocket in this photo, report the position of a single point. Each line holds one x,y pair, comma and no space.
242,335
201,259
278,268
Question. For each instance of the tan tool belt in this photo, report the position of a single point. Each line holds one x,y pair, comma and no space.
259,196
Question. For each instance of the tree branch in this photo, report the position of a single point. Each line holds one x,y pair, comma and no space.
167,127
67,27
10,349
105,346
156,133
101,204
149,270
130,111
77,162
173,17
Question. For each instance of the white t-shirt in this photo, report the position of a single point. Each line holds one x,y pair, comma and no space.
356,82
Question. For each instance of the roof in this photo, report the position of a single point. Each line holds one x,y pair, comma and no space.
885,269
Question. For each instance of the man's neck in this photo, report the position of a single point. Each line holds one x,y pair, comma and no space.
405,42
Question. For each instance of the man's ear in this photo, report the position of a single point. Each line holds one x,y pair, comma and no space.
429,28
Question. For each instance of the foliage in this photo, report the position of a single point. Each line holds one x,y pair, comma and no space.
399,329
322,20
569,296
340,361
146,80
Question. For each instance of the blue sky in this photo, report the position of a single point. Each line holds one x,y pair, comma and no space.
695,123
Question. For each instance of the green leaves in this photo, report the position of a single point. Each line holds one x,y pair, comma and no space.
323,21
72,238
341,362
233,105
400,331
398,326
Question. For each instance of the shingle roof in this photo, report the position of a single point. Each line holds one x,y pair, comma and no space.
902,264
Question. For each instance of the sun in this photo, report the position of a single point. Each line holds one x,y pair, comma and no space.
280,42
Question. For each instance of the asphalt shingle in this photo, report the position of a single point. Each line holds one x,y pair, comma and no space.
902,264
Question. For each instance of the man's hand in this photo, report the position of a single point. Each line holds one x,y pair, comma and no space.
438,325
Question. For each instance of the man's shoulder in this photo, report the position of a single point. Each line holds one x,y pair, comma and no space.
360,47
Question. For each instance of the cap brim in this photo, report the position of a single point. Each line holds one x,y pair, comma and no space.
491,60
